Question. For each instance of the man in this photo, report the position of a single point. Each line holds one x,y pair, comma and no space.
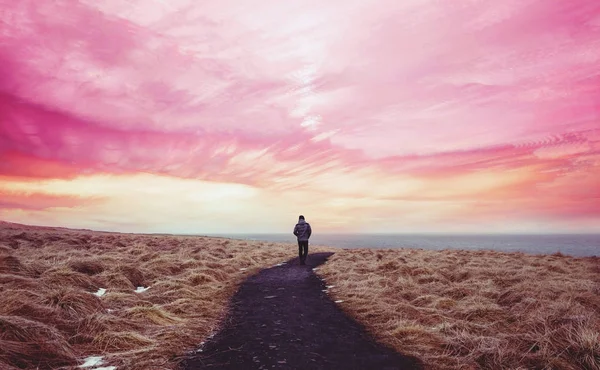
302,231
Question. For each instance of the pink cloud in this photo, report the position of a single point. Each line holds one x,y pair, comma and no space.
295,95
39,201
21,166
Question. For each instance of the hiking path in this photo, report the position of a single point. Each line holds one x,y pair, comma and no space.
282,318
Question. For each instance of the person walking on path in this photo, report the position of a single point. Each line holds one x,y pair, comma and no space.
302,231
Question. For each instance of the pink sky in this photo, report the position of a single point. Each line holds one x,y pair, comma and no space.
236,116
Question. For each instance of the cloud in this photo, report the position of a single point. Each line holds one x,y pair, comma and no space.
463,105
20,200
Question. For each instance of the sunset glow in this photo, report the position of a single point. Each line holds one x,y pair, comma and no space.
236,116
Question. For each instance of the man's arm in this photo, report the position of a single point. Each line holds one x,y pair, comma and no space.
296,230
309,230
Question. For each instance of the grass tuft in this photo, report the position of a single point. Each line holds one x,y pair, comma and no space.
30,344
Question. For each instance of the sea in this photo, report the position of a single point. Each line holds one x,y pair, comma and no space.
577,245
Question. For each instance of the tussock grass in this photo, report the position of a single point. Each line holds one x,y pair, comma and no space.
10,264
72,302
88,266
50,318
474,309
16,281
122,340
151,315
31,344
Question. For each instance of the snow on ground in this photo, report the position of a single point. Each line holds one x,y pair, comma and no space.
100,292
92,361
141,289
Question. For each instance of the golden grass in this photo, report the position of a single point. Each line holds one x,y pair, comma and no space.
49,318
453,309
31,344
474,309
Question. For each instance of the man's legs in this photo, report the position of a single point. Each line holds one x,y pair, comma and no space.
303,250
300,250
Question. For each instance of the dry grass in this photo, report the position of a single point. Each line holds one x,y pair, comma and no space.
474,309
453,309
49,318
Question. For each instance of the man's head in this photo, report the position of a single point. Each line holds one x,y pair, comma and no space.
301,217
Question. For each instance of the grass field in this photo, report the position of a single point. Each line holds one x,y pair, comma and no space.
474,309
50,317
453,309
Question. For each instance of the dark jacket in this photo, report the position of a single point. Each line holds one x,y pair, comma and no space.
302,230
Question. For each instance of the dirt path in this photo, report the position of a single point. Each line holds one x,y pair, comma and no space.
281,319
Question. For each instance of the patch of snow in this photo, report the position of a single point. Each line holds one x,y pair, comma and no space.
339,301
100,292
330,286
141,289
243,269
325,290
110,310
270,296
315,268
92,361
106,368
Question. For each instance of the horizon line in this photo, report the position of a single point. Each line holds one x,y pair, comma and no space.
226,234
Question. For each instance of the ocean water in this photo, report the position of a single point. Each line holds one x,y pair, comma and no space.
578,245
